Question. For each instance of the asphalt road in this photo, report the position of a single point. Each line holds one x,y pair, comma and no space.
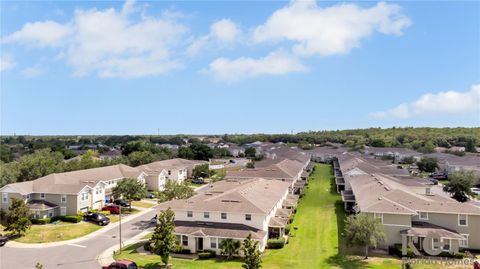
81,255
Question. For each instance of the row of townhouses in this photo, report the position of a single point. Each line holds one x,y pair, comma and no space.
413,211
79,191
257,201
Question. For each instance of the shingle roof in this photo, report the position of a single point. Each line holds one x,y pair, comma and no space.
271,169
156,167
244,196
216,229
73,182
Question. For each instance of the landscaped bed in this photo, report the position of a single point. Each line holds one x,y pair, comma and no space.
315,244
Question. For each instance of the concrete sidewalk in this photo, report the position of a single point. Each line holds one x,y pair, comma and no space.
13,244
106,257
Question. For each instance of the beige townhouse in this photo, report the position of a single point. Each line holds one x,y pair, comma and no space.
70,192
232,209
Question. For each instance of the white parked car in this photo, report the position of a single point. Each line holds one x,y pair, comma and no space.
476,191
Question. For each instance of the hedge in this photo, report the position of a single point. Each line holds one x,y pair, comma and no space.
40,221
276,243
72,219
147,246
207,254
288,227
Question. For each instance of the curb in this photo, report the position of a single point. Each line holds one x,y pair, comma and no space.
106,257
13,244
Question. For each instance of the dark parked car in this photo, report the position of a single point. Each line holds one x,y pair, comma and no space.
98,218
150,195
439,176
3,240
123,264
121,202
198,180
113,208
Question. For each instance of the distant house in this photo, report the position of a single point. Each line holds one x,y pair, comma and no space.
176,170
68,193
110,154
397,154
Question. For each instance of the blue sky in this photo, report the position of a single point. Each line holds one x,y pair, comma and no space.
237,67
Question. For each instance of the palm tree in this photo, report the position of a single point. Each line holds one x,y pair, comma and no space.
230,247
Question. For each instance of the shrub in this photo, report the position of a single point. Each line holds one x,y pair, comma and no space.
211,251
72,219
40,221
276,243
396,249
287,229
460,255
147,246
207,254
105,212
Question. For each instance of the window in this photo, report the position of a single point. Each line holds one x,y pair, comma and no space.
64,198
462,220
4,197
206,215
50,214
435,243
213,242
423,216
464,243
42,195
63,211
446,244
248,217
184,240
169,172
189,214
378,216
224,215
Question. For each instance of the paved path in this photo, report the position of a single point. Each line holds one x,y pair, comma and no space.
80,254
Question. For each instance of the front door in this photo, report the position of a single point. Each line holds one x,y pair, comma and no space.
200,243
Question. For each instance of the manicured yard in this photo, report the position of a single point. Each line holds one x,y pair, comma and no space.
142,204
57,232
315,244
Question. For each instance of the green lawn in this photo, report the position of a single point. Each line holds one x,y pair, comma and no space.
142,204
57,232
319,219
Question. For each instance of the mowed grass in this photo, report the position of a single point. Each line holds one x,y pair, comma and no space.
317,243
57,232
143,204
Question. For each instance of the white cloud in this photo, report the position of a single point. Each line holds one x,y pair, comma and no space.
222,32
34,71
108,42
276,63
40,34
332,30
6,62
450,102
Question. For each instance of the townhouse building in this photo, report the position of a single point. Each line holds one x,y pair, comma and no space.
412,210
232,209
70,192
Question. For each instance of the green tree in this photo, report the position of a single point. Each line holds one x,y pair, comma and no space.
140,145
364,230
8,173
174,190
471,145
5,153
201,170
18,217
253,260
250,152
186,153
163,241
137,158
41,163
460,184
130,188
408,160
201,152
428,164
230,247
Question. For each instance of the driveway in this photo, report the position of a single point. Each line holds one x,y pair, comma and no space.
81,255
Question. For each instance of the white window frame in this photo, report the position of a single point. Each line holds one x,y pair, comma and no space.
50,214
206,215
465,241
63,198
189,214
433,243
42,195
5,197
223,214
248,217
63,211
213,240
420,215
378,216
466,220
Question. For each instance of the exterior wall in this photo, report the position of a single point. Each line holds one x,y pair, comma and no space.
393,224
450,221
257,220
192,243
5,206
177,174
155,183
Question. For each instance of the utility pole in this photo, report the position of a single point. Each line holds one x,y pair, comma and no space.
120,227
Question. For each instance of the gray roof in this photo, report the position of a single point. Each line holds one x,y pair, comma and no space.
156,168
216,229
424,229
270,169
243,196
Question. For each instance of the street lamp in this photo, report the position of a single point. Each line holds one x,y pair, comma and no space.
120,227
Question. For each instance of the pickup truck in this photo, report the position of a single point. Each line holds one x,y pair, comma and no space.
123,264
